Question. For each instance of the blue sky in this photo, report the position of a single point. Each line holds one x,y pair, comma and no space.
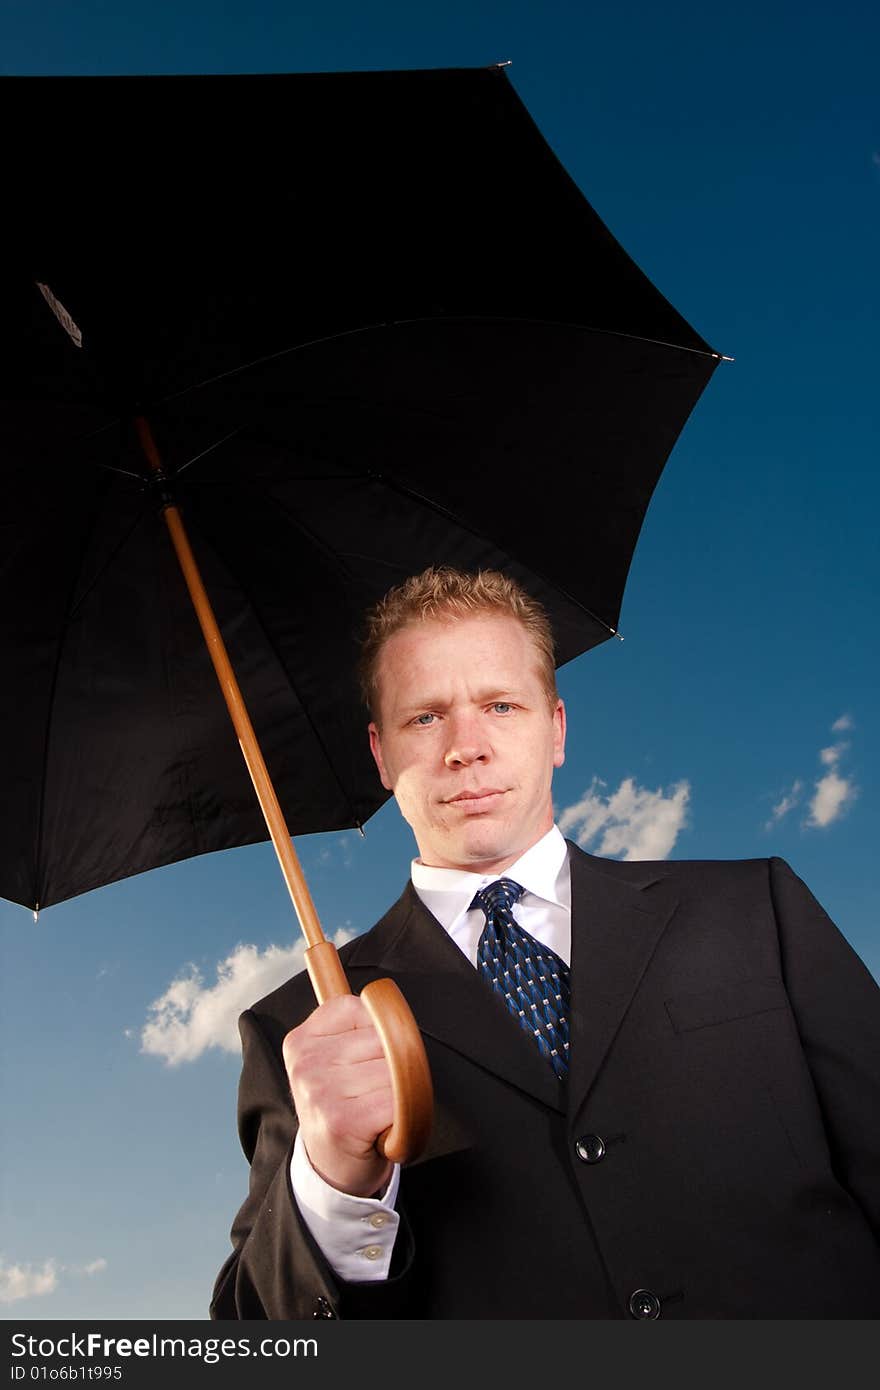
735,153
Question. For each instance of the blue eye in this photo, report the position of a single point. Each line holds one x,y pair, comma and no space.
501,706
423,719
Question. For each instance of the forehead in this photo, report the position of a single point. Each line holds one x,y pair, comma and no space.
438,650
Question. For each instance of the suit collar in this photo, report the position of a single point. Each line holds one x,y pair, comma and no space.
541,870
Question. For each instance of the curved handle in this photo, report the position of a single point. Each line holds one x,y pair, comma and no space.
410,1074
402,1044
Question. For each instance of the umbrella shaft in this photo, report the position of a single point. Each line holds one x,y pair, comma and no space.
256,766
269,804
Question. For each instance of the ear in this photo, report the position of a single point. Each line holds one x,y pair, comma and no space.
559,734
376,750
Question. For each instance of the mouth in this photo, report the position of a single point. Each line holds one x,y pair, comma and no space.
477,800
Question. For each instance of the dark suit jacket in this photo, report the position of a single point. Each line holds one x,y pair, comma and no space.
725,1048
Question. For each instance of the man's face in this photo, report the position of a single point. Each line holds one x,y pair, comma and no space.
467,739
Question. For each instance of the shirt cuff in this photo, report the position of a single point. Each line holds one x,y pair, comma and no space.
355,1234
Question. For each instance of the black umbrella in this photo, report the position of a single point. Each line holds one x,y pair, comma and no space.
350,325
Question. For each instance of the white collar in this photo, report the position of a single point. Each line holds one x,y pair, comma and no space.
541,871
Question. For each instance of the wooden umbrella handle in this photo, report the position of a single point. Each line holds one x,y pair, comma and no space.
403,1047
410,1074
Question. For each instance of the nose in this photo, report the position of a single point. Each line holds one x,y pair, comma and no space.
467,744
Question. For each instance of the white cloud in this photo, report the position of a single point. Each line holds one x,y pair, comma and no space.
191,1016
633,821
830,756
35,1281
787,803
832,796
833,792
27,1281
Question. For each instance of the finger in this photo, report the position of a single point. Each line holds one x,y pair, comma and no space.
361,1079
345,1013
338,1018
340,1117
317,1085
370,1115
328,1051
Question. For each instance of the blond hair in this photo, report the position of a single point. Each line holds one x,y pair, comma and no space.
442,592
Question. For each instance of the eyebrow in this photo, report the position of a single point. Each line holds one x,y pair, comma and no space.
483,697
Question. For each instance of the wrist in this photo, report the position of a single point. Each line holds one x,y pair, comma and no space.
354,1177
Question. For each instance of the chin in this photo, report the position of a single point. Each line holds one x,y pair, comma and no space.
486,848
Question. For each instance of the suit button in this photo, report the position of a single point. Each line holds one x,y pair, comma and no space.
322,1309
644,1304
590,1148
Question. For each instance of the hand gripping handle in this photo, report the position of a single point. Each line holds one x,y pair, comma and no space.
403,1047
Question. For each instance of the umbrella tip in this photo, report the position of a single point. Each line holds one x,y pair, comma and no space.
505,63
36,912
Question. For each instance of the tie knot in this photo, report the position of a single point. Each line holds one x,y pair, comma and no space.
502,893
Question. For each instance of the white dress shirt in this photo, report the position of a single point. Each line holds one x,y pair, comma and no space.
356,1234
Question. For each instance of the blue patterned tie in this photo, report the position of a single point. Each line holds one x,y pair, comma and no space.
533,981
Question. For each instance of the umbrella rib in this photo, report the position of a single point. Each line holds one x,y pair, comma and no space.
280,506
123,472
427,318
440,510
233,571
218,443
271,357
235,371
404,323
555,323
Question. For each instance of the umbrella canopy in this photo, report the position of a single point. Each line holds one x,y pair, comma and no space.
374,325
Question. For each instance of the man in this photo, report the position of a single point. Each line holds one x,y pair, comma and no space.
657,1086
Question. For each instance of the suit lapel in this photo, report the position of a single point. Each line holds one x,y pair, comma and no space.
449,1000
616,926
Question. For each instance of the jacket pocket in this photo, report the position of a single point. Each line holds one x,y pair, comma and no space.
726,1002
